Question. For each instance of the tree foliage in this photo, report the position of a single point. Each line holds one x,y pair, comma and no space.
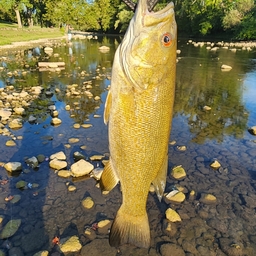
194,17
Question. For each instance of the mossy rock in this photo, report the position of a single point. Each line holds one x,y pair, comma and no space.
10,228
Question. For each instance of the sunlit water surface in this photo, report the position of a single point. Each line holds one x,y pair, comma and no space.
227,227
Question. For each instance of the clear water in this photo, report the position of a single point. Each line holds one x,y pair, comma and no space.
227,227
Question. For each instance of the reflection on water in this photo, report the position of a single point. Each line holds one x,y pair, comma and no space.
227,227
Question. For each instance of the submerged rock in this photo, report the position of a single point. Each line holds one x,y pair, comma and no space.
178,172
208,198
88,203
10,228
71,245
172,215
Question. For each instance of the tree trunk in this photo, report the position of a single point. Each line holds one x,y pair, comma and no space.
18,18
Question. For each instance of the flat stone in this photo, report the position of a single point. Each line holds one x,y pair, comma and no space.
81,168
178,197
96,157
215,164
15,124
59,155
58,164
10,143
56,121
86,125
10,228
64,173
19,111
88,203
73,140
178,172
13,166
71,245
172,215
207,198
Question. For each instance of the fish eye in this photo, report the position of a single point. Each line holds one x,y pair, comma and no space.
166,39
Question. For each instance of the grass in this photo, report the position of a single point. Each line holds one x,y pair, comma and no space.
10,33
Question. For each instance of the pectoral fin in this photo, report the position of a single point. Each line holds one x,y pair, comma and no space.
108,178
107,107
160,180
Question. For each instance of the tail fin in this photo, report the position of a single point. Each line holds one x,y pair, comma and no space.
127,229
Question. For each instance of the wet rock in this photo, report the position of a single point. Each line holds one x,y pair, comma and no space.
96,173
172,215
208,198
57,164
41,253
64,173
67,107
182,148
54,113
16,199
192,195
81,168
86,125
207,108
2,253
32,162
178,172
76,126
21,184
15,124
15,251
40,158
88,203
225,67
175,196
174,249
10,143
96,157
56,121
72,244
215,164
32,119
90,234
13,166
71,188
98,247
189,246
34,240
19,111
5,114
77,156
10,228
59,155
73,140
104,226
252,130
169,228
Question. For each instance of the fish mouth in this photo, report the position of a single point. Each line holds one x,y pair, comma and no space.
151,17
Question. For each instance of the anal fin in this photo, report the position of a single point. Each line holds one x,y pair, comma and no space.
108,178
160,180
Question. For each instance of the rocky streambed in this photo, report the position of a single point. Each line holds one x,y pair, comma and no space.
53,149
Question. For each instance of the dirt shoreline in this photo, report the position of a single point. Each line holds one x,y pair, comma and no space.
16,45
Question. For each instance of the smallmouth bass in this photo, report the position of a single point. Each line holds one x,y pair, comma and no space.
138,111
